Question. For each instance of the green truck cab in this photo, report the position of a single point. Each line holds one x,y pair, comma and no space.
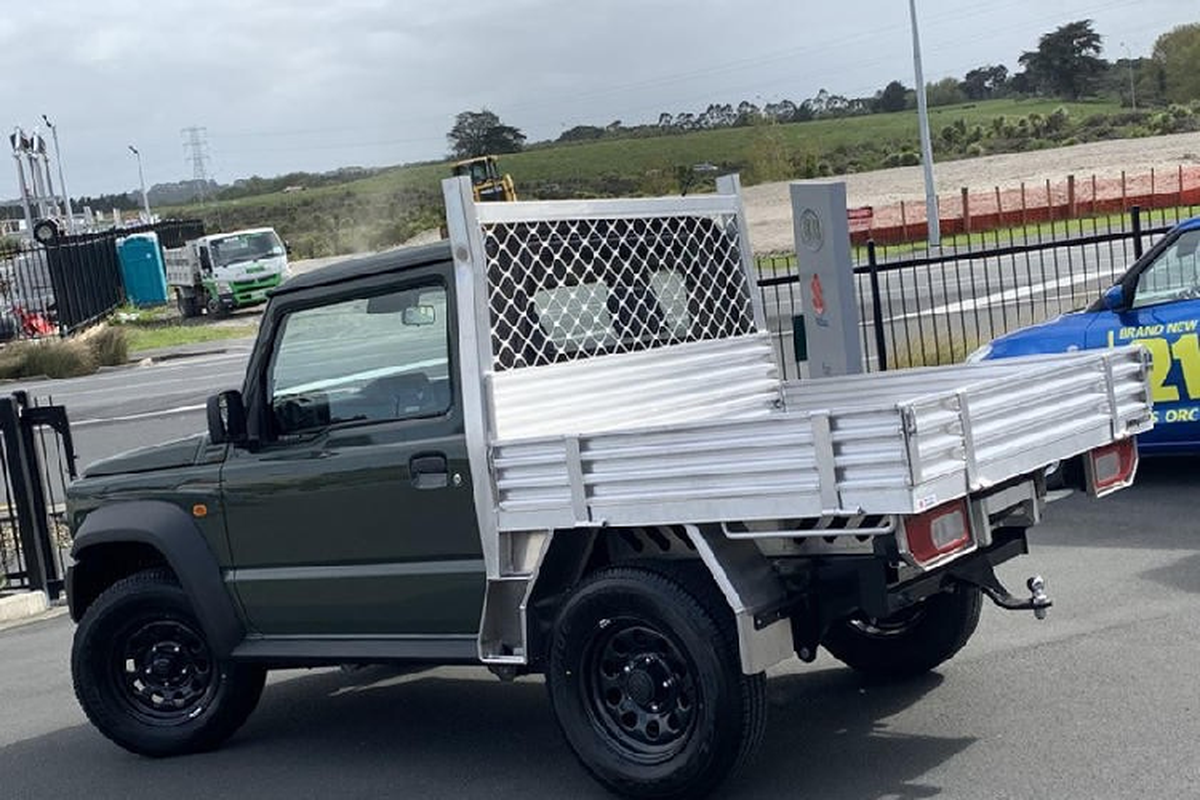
557,444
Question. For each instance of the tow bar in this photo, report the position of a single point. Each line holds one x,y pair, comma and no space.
983,578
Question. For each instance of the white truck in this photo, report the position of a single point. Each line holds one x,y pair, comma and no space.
559,444
225,271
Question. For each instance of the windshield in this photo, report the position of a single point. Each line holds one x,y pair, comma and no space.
245,247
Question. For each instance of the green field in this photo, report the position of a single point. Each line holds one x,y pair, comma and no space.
391,206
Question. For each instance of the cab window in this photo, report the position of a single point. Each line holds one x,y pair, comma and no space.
596,317
369,359
1174,275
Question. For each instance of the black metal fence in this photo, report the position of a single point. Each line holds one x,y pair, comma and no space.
37,458
924,307
71,281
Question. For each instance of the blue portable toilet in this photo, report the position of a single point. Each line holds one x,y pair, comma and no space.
142,269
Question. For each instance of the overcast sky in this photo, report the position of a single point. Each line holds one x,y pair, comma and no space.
286,85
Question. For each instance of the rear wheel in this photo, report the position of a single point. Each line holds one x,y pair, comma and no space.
146,676
910,642
646,683
189,305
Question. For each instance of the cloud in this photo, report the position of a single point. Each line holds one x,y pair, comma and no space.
311,84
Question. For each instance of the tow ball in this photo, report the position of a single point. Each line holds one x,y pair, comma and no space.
987,582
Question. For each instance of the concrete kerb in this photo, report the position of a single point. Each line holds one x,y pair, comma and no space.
176,352
22,605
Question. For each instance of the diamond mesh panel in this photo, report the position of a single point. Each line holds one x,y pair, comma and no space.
565,290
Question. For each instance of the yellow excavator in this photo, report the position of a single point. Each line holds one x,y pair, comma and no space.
489,185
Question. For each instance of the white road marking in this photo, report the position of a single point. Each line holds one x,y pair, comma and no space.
1000,298
166,412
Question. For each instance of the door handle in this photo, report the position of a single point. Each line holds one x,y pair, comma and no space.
429,471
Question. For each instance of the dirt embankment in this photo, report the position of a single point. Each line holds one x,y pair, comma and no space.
769,212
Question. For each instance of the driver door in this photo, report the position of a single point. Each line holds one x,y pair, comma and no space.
354,516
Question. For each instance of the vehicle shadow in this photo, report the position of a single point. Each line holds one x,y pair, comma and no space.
1154,512
1183,574
451,733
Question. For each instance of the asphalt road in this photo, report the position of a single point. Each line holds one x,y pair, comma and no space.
128,407
1098,701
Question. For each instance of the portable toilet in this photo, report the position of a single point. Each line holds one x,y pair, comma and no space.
142,269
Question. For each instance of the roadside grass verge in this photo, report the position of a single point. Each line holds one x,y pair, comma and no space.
933,351
142,338
64,358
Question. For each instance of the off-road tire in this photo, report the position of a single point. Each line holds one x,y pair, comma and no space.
645,680
910,643
140,640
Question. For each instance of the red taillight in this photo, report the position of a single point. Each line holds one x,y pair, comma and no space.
937,533
1111,467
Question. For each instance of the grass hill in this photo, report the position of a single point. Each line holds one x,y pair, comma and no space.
392,205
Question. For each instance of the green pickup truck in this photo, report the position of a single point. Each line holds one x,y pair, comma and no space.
558,444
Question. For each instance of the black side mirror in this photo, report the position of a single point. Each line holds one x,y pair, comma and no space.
227,418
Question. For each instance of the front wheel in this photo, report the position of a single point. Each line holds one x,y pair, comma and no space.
910,642
646,683
216,309
147,677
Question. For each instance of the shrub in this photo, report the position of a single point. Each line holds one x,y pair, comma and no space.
109,346
975,150
54,358
909,159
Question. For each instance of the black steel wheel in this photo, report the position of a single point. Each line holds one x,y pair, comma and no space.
164,670
147,677
642,691
909,642
646,683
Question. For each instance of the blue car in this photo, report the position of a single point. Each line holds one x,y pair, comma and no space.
1155,304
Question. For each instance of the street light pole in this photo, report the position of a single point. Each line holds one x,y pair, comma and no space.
931,201
1132,86
62,182
142,182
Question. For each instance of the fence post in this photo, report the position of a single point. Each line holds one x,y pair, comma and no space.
966,213
1135,218
32,527
876,307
